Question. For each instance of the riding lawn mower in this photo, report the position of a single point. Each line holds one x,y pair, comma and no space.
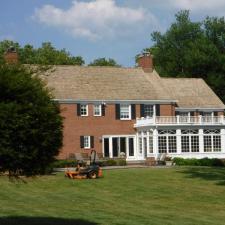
91,171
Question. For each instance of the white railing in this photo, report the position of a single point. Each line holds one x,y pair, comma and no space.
181,120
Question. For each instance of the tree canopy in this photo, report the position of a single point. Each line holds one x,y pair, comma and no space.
47,54
30,122
104,62
192,49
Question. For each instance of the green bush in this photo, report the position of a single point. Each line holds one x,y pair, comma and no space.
199,162
64,163
110,162
121,162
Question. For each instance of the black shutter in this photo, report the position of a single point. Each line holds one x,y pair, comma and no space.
117,111
81,141
215,113
133,111
192,113
103,110
157,110
92,141
177,113
78,109
142,110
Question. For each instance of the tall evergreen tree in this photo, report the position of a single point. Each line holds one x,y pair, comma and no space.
30,122
192,49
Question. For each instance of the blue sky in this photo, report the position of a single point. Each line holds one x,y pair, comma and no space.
119,29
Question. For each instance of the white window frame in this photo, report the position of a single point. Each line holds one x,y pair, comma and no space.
193,140
212,140
86,106
87,142
129,111
99,108
145,110
169,139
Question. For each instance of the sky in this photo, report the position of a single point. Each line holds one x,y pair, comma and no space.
117,29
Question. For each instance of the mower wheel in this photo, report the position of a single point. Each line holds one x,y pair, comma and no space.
92,175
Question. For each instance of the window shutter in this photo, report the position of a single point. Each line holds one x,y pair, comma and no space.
92,141
157,110
142,110
133,111
117,111
81,141
103,110
78,109
193,113
215,113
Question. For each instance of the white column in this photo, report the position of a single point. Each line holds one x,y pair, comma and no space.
201,141
110,147
155,142
178,134
223,140
147,143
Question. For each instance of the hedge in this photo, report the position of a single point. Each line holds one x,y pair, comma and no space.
199,162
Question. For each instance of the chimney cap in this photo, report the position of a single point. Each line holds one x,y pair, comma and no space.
11,49
145,53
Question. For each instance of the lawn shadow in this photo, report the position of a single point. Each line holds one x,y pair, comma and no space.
42,221
207,173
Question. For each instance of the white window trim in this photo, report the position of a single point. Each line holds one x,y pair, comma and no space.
89,142
100,106
129,112
86,110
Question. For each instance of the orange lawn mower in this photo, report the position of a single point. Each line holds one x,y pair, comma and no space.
91,171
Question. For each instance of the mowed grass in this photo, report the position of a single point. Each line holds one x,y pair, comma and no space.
128,196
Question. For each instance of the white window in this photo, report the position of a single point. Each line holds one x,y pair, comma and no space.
84,110
162,144
140,144
189,141
97,110
212,141
150,144
125,112
185,146
172,144
87,142
195,143
148,110
167,141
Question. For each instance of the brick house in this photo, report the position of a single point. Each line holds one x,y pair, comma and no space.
136,112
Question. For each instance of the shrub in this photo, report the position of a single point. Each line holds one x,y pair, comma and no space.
121,162
110,162
199,162
64,163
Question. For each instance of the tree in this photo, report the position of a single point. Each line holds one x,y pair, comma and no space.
30,122
104,62
47,54
192,49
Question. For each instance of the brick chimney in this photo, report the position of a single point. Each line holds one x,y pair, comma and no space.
11,56
145,61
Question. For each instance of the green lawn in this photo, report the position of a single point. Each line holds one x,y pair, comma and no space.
135,196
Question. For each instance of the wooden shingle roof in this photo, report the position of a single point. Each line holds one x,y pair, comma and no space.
113,83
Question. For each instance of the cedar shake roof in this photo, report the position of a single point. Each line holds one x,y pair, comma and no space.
192,93
104,83
115,83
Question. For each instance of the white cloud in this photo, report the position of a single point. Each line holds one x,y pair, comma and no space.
96,19
199,5
216,7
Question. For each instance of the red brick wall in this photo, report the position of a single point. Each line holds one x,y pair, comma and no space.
220,113
167,110
76,126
